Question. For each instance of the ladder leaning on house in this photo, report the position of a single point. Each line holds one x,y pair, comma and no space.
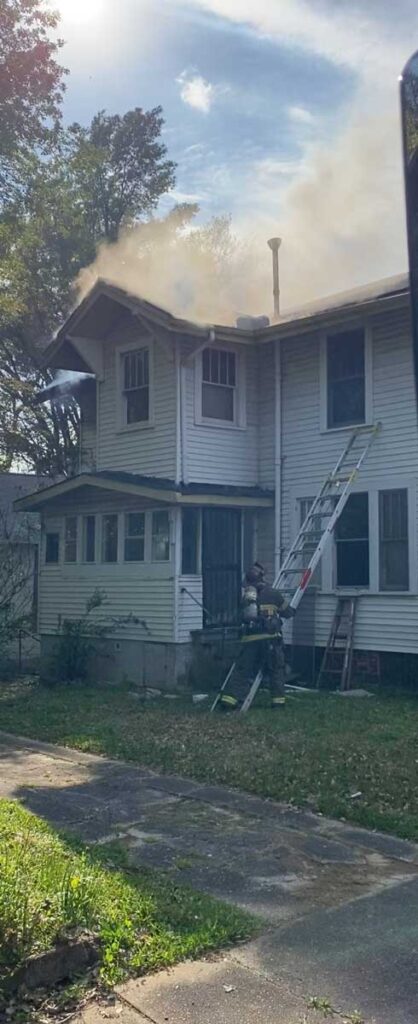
338,654
294,576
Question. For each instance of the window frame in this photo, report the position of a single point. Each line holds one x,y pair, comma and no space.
381,542
71,561
122,350
239,421
127,537
84,518
159,561
368,376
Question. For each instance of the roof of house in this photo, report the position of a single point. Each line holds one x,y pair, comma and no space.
152,488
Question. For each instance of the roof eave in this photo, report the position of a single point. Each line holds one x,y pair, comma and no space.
331,317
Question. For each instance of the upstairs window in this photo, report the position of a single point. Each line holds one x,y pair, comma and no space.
219,382
70,539
393,540
346,385
136,386
352,543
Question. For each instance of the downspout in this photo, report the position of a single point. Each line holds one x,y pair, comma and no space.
278,459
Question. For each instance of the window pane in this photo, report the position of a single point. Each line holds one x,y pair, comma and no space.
231,368
134,537
70,548
346,379
217,402
52,547
160,537
110,538
137,405
352,543
89,539
206,364
393,540
190,539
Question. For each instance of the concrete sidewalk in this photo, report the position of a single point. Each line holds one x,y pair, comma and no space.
340,903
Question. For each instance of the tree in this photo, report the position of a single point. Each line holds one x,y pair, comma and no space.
119,168
31,82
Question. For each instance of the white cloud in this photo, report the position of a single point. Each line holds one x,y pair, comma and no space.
301,115
196,92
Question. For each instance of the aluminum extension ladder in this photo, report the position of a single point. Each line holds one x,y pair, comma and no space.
294,576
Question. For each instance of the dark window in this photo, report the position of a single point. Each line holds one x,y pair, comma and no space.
134,536
310,546
110,538
136,385
393,540
190,541
346,378
218,384
52,547
70,545
89,538
160,537
352,543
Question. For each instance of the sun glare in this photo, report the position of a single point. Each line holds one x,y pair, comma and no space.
80,11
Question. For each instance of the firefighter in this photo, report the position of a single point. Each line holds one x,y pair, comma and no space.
263,608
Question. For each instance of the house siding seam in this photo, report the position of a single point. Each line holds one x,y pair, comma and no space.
385,622
148,450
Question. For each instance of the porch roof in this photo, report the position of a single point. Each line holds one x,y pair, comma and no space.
153,488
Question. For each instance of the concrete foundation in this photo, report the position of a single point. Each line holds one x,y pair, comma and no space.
141,662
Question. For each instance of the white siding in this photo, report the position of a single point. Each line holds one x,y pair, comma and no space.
265,540
149,450
190,615
88,441
224,455
144,590
384,621
267,421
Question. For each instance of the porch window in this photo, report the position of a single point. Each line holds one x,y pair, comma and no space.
134,536
393,540
136,385
52,548
219,379
346,386
89,539
160,546
110,538
352,543
70,539
190,529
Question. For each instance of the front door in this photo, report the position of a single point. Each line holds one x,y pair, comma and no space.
221,565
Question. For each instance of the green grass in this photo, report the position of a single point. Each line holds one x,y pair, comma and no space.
50,886
317,753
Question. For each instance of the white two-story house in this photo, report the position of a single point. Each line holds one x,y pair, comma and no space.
201,449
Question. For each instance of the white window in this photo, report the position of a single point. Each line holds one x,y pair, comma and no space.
134,537
160,537
89,538
110,538
346,379
352,543
393,540
135,379
220,388
70,539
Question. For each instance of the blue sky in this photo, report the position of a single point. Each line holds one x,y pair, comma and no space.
283,113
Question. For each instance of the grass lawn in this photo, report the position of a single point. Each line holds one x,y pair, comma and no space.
50,886
319,752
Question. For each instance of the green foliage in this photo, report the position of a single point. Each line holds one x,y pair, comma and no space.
317,754
78,640
49,887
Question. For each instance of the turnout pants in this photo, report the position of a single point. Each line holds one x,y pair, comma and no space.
265,654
